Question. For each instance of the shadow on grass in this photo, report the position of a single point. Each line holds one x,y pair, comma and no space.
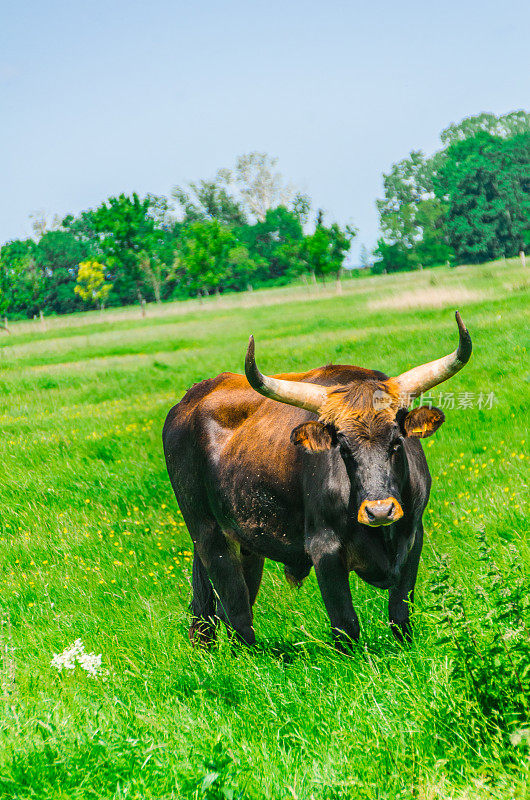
289,652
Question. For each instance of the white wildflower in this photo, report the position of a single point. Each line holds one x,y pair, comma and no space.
90,662
75,654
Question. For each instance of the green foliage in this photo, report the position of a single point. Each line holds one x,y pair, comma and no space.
210,200
411,217
21,280
131,230
485,181
275,243
489,639
467,202
210,257
504,126
58,255
325,250
235,232
39,277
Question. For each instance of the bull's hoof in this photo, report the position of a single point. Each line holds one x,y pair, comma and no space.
345,641
245,637
402,631
202,633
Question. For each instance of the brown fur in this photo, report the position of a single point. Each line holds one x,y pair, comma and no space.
423,421
351,408
313,436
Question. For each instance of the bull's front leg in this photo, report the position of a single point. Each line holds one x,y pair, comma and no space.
401,596
325,551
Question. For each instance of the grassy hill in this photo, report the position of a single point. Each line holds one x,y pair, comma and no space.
93,547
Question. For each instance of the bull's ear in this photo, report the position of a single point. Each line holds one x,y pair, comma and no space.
314,436
422,422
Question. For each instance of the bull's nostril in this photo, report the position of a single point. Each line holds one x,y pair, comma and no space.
370,514
390,510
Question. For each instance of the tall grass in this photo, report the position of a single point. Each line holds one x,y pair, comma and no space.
93,547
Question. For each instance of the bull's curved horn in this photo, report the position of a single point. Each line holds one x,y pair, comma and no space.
420,379
304,395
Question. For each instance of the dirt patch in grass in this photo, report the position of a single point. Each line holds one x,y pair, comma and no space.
432,297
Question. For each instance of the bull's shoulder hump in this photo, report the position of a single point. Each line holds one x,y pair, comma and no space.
335,374
227,399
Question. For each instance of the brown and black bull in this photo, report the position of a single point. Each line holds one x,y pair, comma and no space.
318,469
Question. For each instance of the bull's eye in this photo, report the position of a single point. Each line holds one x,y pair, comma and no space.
396,447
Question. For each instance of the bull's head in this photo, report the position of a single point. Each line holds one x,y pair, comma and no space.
367,421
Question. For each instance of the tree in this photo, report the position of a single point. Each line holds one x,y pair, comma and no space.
261,188
413,211
204,255
504,126
275,243
411,216
83,228
156,272
57,255
21,279
242,267
326,249
129,230
340,244
208,200
301,207
485,181
148,254
91,286
41,224
364,257
432,246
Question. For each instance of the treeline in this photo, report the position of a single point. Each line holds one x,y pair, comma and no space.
244,228
467,203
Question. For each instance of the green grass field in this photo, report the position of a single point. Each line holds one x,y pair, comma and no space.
93,547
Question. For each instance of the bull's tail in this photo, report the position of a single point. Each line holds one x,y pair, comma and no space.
203,605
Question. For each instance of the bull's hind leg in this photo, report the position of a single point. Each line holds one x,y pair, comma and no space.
225,570
202,606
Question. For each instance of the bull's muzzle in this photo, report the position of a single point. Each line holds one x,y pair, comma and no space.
379,512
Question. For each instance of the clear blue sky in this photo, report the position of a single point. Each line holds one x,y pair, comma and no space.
99,98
